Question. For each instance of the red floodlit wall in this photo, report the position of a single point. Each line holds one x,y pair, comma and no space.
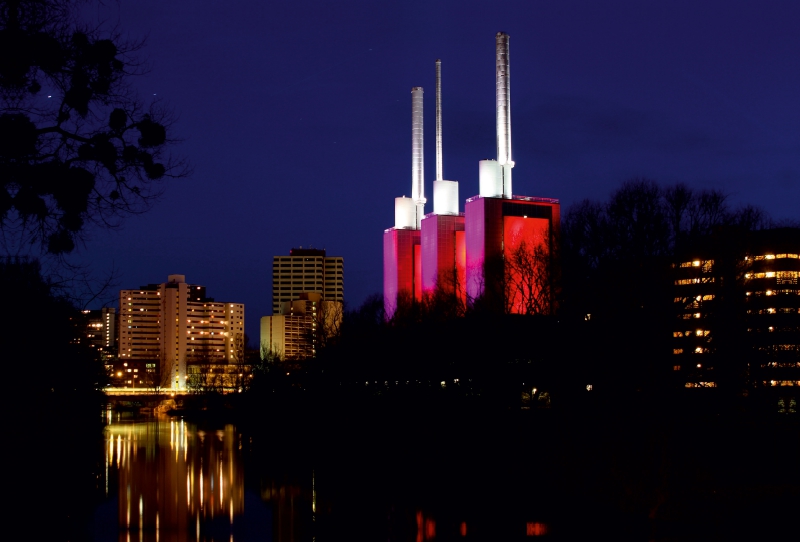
487,232
398,265
526,234
417,272
439,251
461,265
535,528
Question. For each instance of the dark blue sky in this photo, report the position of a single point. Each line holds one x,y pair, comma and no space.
297,118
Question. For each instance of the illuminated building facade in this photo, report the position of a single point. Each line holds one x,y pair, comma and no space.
174,324
499,250
402,267
291,333
443,251
500,231
753,300
99,330
306,270
307,300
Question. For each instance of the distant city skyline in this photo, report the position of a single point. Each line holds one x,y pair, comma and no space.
296,119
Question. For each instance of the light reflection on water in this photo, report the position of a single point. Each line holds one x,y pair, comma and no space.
173,480
168,480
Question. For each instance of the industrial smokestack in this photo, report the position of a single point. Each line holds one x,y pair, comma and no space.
445,193
417,155
503,101
439,166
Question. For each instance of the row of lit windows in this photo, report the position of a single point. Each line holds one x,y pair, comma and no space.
707,297
704,265
772,310
773,257
773,274
684,282
775,292
697,350
690,333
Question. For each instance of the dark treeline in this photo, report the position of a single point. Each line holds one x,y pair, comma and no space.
611,328
54,401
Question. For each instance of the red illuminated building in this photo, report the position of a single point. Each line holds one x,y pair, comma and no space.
497,230
498,250
402,266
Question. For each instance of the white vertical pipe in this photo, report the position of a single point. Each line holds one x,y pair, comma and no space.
503,105
417,155
439,165
503,99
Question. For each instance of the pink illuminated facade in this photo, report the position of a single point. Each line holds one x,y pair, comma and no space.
402,267
439,253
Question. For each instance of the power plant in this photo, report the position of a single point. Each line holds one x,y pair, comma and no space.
497,251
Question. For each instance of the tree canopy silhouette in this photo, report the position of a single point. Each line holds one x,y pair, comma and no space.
77,145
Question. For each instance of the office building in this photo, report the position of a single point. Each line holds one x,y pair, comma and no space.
307,303
174,324
291,334
737,302
306,270
98,329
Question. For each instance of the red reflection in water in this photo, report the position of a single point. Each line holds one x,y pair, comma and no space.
430,529
534,528
426,528
463,529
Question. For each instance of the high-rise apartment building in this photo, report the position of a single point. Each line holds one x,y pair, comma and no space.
175,324
98,329
291,334
307,303
306,270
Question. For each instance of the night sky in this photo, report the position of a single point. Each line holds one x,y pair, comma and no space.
296,118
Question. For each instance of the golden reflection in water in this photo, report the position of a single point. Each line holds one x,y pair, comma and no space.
173,477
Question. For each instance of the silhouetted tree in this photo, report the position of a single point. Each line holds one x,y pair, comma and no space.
40,339
77,145
618,261
529,279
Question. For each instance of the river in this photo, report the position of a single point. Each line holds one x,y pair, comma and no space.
451,476
167,479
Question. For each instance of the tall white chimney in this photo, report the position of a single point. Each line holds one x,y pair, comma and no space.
417,155
445,193
503,106
439,167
